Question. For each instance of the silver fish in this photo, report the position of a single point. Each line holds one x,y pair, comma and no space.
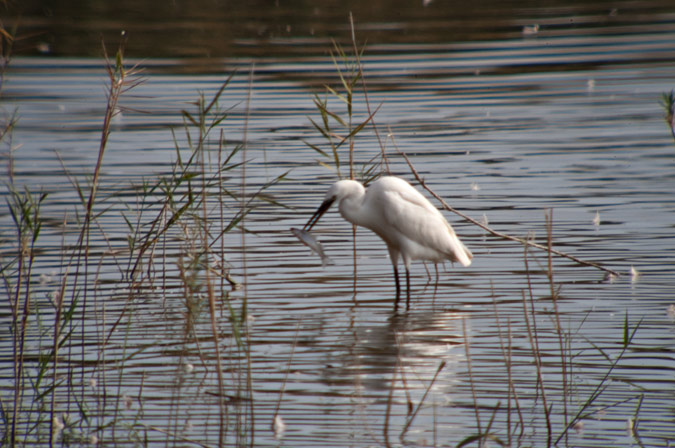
310,241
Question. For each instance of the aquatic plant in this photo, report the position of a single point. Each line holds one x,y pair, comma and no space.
339,128
187,214
174,253
668,104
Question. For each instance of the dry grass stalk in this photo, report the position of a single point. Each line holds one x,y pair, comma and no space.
471,381
512,394
533,336
419,405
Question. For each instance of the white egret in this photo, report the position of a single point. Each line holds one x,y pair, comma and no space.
411,227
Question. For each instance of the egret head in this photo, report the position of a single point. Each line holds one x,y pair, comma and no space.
337,192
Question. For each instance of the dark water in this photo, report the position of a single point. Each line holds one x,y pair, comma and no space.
505,125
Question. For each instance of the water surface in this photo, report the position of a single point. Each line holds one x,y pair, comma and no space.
506,127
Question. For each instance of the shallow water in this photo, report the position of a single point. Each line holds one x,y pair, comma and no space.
505,128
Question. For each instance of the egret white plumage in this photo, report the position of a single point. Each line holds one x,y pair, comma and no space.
411,227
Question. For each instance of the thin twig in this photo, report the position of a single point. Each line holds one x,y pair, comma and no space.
473,389
506,353
496,233
419,405
534,343
249,381
288,369
556,312
387,413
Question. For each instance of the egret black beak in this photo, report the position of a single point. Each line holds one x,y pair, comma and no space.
318,214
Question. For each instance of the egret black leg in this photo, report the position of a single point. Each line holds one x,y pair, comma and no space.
407,289
398,287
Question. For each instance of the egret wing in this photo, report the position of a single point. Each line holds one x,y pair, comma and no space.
414,218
